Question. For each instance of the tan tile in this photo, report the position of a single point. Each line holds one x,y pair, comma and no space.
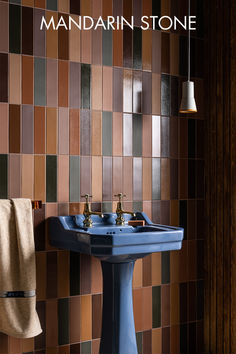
138,274
117,129
39,178
74,40
63,178
15,79
96,133
96,276
4,128
86,318
147,178
156,340
27,176
156,268
51,37
96,87
97,178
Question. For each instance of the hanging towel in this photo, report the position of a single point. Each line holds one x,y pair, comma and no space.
18,316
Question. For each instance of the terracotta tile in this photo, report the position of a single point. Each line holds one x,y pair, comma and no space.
107,179
39,130
14,128
156,94
156,269
14,79
128,177
85,274
157,340
85,175
86,318
96,8
166,340
147,342
117,134
146,308
127,91
52,83
117,90
51,37
156,52
63,83
14,345
4,128
51,125
147,208
147,9
39,178
27,176
74,40
118,48
63,178
64,349
63,6
174,340
86,7
174,54
147,178
27,130
4,25
74,318
51,323
97,46
137,304
147,48
51,350
165,179
4,343
96,276
27,80
97,316
39,3
86,46
107,88
41,275
183,179
96,87
74,132
63,131
138,274
127,134
27,344
106,8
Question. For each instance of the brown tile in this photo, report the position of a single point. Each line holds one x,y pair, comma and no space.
74,318
138,274
106,8
147,48
166,340
39,229
147,271
97,316
97,178
95,346
74,40
96,133
183,270
147,178
118,48
183,179
156,269
147,9
51,126
165,52
86,7
51,323
41,275
192,260
63,179
156,52
97,87
174,266
127,91
4,135
183,137
128,177
174,181
27,344
96,8
174,212
51,275
147,342
96,276
14,128
117,175
174,304
63,83
14,79
127,9
174,137
86,46
146,308
27,176
39,178
63,40
156,94
157,340
63,6
107,88
174,54
165,179
39,130
51,36
174,340
86,318
85,274
52,350
147,208
74,132
4,25
117,127
65,349
147,132
14,345
192,227
27,80
137,303
97,45
52,82
39,3
63,131
4,343
165,305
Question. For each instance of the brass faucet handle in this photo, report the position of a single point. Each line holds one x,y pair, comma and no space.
86,196
120,196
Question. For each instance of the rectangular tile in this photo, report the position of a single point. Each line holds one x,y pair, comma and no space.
139,340
117,90
147,178
137,48
127,8
147,93
166,340
39,82
75,7
174,138
165,305
137,178
174,54
96,133
137,91
127,91
4,77
165,52
3,176
14,128
27,129
174,96
4,26
97,45
75,85
86,347
127,47
39,130
107,179
156,136
86,46
107,133
63,39
39,239
74,273
27,30
74,178
118,46
165,137
51,178
40,341
156,94
165,212
147,133
117,175
63,131
157,340
97,315
156,269
128,177
27,80
147,48
165,94
39,36
127,134
14,178
52,83
174,179
74,41
74,132
107,47
51,5
86,318
4,135
97,178
191,138
15,79
39,178
63,321
137,134
192,179
156,179
156,306
51,36
63,179
85,132
74,316
147,342
51,130
85,175
117,128
156,52
96,87
51,275
85,86
85,274
63,77
165,267
107,89
14,28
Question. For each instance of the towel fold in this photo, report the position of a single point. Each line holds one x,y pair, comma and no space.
18,316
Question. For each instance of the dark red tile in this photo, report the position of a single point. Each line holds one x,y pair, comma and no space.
63,39
97,315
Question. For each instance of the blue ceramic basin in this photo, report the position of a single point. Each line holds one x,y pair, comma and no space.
110,242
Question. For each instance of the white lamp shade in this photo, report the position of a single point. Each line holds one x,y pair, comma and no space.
188,104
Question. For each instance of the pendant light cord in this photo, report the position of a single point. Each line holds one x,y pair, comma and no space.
189,39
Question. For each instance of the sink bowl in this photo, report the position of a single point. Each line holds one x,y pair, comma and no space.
117,247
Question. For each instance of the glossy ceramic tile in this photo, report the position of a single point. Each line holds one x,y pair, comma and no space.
27,146
14,28
4,25
4,77
15,79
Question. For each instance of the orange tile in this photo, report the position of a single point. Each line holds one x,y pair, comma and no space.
74,42
39,3
63,179
27,345
14,345
63,6
51,323
147,8
39,178
74,132
41,269
165,179
86,46
27,176
107,88
28,3
156,94
74,318
138,274
147,178
137,304
174,340
51,126
4,128
174,304
146,308
27,80
156,340
63,282
165,8
39,130
156,269
15,79
76,208
118,48
63,83
117,129
96,276
97,178
174,54
147,49
97,87
65,349
85,7
51,37
106,8
86,318
96,8
127,9
174,212
96,133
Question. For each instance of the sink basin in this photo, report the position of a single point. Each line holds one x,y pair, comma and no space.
118,247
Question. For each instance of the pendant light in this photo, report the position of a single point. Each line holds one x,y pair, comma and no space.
188,104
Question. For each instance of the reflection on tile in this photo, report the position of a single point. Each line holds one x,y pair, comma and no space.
165,95
127,91
137,91
137,134
156,179
147,93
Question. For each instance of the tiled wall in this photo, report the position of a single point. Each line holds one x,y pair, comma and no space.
97,112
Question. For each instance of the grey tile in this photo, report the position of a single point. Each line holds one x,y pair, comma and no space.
27,129
52,5
107,133
137,134
107,207
139,339
85,86
137,179
107,178
137,206
156,178
86,348
39,82
107,47
51,178
165,95
117,89
74,178
85,132
75,85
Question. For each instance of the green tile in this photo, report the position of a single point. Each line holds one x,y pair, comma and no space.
39,82
137,135
137,48
138,206
63,321
52,5
107,207
107,133
74,178
156,179
107,47
139,339
51,178
156,306
85,86
14,29
85,348
3,176
74,273
165,267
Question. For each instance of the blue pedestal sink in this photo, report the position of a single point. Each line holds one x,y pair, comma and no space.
117,247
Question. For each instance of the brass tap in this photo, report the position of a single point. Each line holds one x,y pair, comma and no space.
88,212
119,210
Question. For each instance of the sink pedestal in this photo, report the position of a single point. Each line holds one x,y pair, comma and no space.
118,330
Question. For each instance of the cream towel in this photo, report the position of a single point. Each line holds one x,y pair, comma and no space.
18,316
